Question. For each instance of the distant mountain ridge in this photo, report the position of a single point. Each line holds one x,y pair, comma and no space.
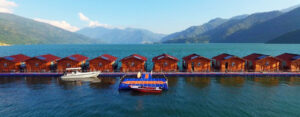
193,31
19,30
121,36
231,26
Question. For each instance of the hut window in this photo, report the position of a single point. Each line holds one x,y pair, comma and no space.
36,64
267,63
233,64
165,63
5,64
199,64
100,64
68,65
132,63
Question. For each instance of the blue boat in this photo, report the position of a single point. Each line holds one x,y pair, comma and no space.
146,80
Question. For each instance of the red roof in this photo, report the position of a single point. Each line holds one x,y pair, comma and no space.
47,57
193,56
107,57
77,57
288,57
225,56
164,56
255,56
17,58
221,56
139,57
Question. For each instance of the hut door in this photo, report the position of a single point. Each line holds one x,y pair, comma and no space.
226,66
193,66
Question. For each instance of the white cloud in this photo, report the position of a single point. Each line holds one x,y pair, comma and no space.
7,6
83,17
61,24
93,23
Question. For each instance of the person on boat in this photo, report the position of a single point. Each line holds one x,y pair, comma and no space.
139,75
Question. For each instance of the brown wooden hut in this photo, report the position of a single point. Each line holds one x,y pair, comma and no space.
228,63
104,63
13,63
289,62
43,63
262,63
133,63
165,63
196,63
72,61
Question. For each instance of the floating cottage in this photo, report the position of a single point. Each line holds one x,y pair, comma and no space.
104,63
43,63
165,63
14,63
228,63
290,62
75,60
196,63
133,63
262,63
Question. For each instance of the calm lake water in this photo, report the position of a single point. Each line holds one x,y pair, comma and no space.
187,96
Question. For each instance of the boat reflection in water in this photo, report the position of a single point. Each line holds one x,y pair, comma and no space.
105,83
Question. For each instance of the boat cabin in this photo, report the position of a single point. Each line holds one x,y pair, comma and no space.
289,62
165,63
103,63
261,63
72,61
228,63
133,63
43,63
196,63
14,63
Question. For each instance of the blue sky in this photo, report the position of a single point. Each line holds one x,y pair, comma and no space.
161,16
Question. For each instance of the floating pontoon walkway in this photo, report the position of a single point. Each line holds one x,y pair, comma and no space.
145,81
170,74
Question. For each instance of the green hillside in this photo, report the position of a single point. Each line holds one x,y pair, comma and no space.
18,30
288,38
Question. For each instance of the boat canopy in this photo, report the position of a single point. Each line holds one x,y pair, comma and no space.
77,68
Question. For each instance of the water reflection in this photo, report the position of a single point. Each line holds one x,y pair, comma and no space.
231,81
6,80
38,80
68,84
172,81
199,82
293,81
267,81
105,83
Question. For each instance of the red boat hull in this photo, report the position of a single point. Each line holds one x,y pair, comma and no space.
147,91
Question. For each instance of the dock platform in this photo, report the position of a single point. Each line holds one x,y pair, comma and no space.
170,74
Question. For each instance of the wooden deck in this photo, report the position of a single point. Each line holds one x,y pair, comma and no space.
170,74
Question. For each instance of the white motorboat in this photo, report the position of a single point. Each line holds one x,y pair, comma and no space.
77,75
